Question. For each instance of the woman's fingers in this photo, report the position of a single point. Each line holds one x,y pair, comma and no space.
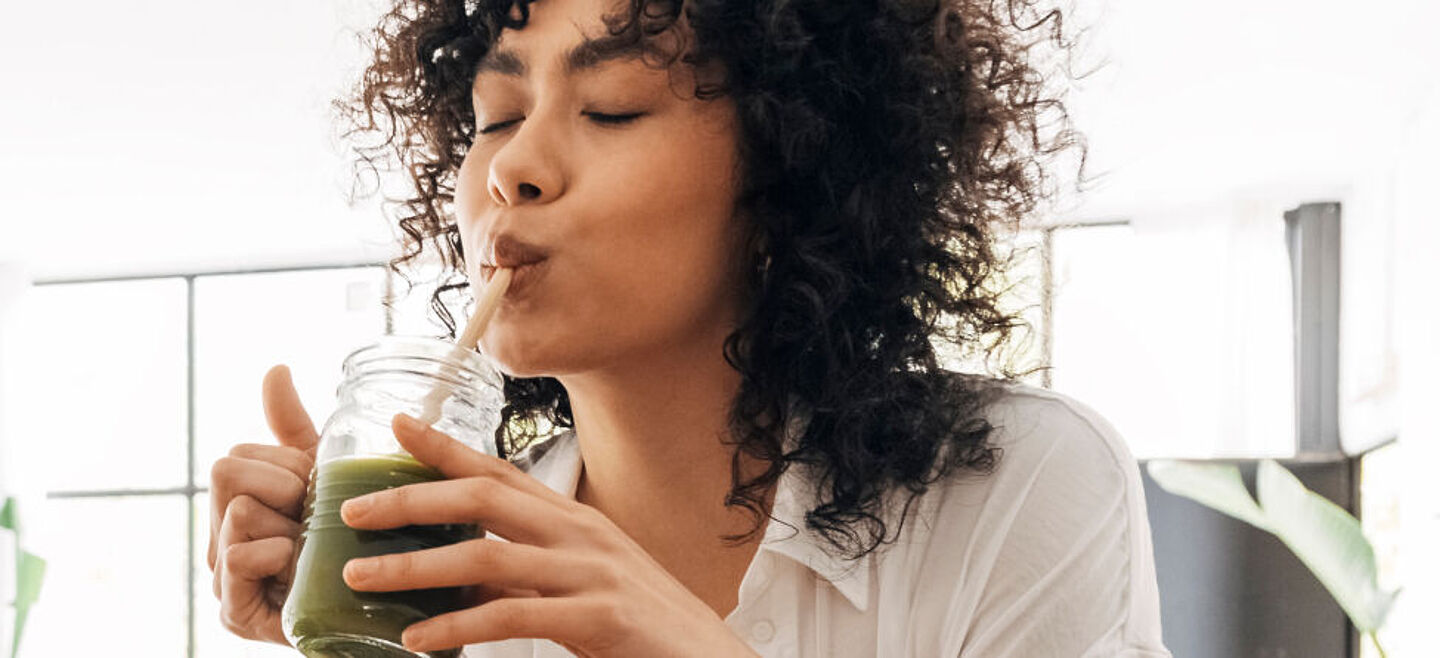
294,460
288,420
486,593
496,564
571,621
457,460
241,472
248,608
247,519
257,493
499,508
276,486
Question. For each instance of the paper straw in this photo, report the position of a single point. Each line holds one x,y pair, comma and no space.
484,310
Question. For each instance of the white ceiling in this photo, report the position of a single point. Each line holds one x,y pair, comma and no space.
1230,100
173,136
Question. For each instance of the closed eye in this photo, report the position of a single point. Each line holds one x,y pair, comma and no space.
597,117
494,127
613,119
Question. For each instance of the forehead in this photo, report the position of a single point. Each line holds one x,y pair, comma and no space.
555,25
568,36
578,56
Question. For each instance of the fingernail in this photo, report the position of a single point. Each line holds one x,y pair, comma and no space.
355,507
410,424
360,569
412,637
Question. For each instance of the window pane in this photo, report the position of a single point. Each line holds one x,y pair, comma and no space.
1181,338
211,638
114,578
99,400
245,324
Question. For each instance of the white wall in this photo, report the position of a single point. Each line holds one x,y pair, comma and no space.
1417,320
14,281
175,135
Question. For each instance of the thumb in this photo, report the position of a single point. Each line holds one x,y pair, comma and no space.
288,420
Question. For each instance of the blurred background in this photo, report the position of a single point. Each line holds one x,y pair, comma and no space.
1249,276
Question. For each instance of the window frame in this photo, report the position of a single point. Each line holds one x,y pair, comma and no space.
191,488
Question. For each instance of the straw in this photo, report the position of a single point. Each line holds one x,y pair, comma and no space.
489,301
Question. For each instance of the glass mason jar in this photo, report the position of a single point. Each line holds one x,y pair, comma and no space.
358,454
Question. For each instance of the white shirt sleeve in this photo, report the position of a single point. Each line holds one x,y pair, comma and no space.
1066,558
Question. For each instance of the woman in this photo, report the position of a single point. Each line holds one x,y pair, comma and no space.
742,224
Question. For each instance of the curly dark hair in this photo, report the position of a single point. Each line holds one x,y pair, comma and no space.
886,147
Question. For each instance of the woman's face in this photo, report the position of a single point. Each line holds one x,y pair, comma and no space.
636,216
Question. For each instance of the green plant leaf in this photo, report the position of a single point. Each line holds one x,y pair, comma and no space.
27,591
1329,541
29,573
1217,486
9,518
1326,538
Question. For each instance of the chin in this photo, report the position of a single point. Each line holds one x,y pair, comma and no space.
513,366
517,357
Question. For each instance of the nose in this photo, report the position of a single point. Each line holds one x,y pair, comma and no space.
524,170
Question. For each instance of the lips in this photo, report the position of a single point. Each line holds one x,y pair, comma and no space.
525,259
509,251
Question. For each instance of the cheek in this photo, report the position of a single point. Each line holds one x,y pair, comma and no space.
472,197
673,285
673,259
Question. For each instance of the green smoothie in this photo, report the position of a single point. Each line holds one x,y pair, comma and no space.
323,616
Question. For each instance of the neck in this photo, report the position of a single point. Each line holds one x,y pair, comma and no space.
655,463
651,439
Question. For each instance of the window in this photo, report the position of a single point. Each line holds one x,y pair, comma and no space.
1194,359
116,562
102,403
109,441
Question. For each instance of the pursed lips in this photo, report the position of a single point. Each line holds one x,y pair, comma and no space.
511,252
527,260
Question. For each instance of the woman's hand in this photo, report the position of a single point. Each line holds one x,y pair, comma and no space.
566,573
256,495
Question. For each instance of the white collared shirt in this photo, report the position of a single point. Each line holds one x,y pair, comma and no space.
1049,555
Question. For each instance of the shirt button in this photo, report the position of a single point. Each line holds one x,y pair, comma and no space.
762,631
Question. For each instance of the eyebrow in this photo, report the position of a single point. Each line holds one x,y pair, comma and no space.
584,56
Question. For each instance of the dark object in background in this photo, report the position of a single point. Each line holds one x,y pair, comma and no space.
1228,590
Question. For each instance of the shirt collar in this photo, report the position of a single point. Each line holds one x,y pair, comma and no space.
788,535
557,464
